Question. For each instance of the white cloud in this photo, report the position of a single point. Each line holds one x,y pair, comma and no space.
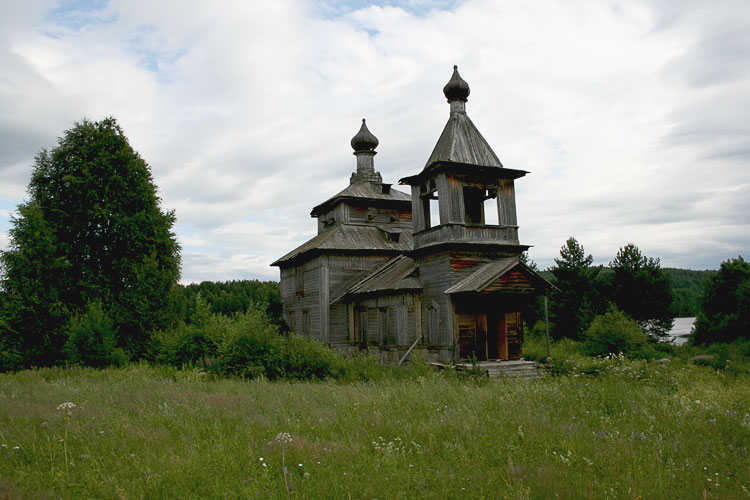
629,116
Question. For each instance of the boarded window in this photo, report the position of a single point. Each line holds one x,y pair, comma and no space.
433,325
383,314
291,321
306,323
363,326
299,281
403,326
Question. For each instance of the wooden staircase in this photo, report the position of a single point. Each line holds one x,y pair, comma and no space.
520,368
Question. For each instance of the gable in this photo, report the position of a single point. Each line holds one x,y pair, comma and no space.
508,275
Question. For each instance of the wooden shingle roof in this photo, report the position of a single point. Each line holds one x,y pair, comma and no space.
365,190
347,237
394,276
461,142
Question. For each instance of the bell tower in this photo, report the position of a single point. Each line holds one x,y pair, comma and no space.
464,196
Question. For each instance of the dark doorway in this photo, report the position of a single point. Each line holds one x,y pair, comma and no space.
472,335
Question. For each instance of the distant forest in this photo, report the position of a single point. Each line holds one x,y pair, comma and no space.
687,285
231,297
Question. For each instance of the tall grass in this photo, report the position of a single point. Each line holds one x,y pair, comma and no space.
638,430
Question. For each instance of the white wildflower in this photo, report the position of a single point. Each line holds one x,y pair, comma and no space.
283,438
66,406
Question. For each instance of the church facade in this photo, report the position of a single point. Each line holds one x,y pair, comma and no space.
436,271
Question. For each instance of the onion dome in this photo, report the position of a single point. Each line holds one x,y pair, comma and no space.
456,89
364,140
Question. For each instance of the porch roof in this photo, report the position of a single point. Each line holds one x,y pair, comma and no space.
504,275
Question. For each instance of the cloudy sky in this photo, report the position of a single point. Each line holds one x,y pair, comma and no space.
632,116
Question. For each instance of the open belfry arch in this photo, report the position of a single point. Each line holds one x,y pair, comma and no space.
437,272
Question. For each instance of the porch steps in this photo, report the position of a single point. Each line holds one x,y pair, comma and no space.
520,368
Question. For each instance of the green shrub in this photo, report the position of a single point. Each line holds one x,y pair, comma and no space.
92,340
307,359
538,331
250,347
194,343
614,333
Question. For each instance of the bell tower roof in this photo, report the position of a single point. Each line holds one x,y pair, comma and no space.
460,141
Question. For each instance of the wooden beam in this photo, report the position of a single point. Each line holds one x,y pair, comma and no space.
546,322
409,351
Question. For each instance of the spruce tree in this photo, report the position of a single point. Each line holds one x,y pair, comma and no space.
574,305
91,232
642,290
725,312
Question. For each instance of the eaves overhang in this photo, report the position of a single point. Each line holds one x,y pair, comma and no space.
468,170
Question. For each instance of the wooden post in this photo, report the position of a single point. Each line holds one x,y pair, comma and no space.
546,322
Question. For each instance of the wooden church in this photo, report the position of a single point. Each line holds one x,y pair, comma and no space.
389,272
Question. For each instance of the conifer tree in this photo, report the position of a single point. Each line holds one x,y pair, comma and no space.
725,314
642,290
574,306
91,232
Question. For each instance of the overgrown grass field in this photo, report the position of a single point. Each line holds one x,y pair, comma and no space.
637,430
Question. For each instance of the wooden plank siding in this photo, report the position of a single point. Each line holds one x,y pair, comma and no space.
296,301
506,204
467,233
512,282
435,273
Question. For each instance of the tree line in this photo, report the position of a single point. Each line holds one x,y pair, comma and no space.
93,265
645,292
91,275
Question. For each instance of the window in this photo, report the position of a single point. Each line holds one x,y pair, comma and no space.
299,281
473,205
480,205
430,204
491,214
290,321
306,323
433,325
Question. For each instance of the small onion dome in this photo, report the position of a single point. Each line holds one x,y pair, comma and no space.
364,140
456,89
